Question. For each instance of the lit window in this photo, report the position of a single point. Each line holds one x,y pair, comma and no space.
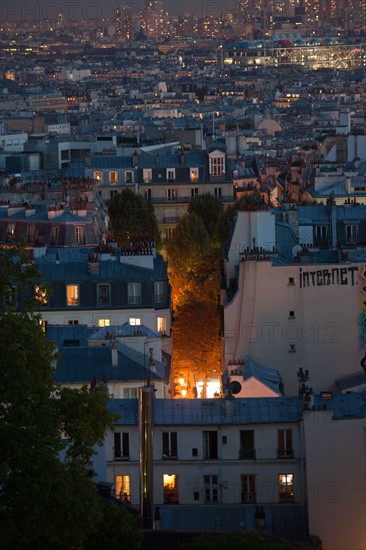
171,495
43,325
194,174
113,177
98,176
123,488
210,488
286,487
104,323
103,294
134,293
135,321
11,229
41,295
159,291
161,325
72,294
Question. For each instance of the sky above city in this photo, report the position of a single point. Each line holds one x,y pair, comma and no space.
94,10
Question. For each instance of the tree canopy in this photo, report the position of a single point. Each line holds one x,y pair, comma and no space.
45,502
132,218
208,208
194,254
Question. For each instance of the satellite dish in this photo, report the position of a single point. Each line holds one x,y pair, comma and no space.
296,250
235,387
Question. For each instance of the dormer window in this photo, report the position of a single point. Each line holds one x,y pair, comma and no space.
170,174
41,295
79,234
351,233
54,234
103,294
129,176
194,174
113,177
134,293
11,229
159,288
98,176
217,163
72,295
147,175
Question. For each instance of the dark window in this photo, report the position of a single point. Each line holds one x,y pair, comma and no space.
248,488
194,452
247,450
71,343
285,449
211,488
170,450
210,444
121,446
103,294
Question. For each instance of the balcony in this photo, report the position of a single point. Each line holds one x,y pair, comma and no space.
247,454
248,497
170,456
285,453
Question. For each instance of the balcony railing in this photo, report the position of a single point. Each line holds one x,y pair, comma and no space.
248,497
170,456
247,454
285,453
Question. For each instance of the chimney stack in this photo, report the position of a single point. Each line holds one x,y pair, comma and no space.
114,354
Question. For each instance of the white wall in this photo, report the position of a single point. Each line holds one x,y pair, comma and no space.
336,480
324,330
259,226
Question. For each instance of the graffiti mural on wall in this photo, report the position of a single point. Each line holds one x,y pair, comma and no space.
362,316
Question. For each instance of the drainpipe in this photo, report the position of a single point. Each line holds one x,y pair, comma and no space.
146,432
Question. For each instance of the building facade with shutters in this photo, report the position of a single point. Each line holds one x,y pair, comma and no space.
167,176
215,461
105,286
